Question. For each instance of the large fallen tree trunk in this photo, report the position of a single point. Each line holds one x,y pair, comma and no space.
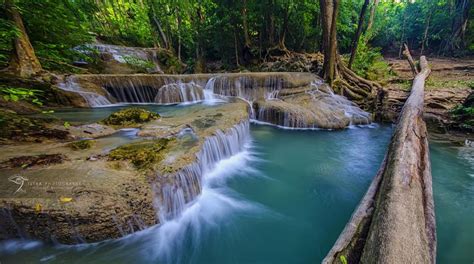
395,223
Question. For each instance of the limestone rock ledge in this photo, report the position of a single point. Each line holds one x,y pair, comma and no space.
88,196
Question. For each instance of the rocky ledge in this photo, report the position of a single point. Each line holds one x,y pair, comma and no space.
78,189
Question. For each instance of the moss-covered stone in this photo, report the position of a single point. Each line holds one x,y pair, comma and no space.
130,117
81,144
142,155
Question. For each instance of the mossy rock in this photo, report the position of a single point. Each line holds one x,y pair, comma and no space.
22,128
81,144
142,155
130,117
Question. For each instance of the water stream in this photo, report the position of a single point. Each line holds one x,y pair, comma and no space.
283,198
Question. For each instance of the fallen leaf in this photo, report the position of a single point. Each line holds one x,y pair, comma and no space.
65,199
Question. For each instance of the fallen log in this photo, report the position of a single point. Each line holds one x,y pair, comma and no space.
394,222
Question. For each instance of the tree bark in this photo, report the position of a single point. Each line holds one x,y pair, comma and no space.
395,221
373,9
360,25
459,25
158,26
23,60
407,54
329,33
424,41
341,78
247,41
284,28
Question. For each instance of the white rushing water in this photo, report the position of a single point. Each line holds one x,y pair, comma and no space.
92,99
187,184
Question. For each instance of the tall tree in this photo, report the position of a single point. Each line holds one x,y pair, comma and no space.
348,83
328,17
23,61
356,38
459,25
373,9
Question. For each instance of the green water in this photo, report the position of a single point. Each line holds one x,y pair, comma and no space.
285,199
453,186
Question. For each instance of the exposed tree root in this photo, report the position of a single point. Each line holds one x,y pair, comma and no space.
361,91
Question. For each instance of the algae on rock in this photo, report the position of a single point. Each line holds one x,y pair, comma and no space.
130,117
142,155
81,144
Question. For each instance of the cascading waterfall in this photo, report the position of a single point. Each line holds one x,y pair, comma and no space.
179,92
351,110
92,99
188,181
288,99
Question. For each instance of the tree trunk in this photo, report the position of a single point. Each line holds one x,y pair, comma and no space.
236,47
424,41
395,221
158,26
178,15
23,61
327,14
373,9
407,54
270,24
459,25
341,78
355,41
247,41
284,29
403,33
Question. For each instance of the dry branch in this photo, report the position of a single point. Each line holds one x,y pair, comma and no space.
406,53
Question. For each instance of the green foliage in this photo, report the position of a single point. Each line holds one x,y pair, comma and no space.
138,63
211,30
343,259
15,94
464,114
369,63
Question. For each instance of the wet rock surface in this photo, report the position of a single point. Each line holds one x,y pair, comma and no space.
308,101
107,189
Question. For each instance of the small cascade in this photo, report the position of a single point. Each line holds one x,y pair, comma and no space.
179,93
187,184
285,115
208,91
337,102
121,54
92,99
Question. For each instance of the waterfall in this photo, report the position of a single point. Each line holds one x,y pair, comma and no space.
351,110
92,99
179,92
131,93
187,183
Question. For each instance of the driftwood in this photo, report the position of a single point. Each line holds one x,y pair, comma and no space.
394,222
